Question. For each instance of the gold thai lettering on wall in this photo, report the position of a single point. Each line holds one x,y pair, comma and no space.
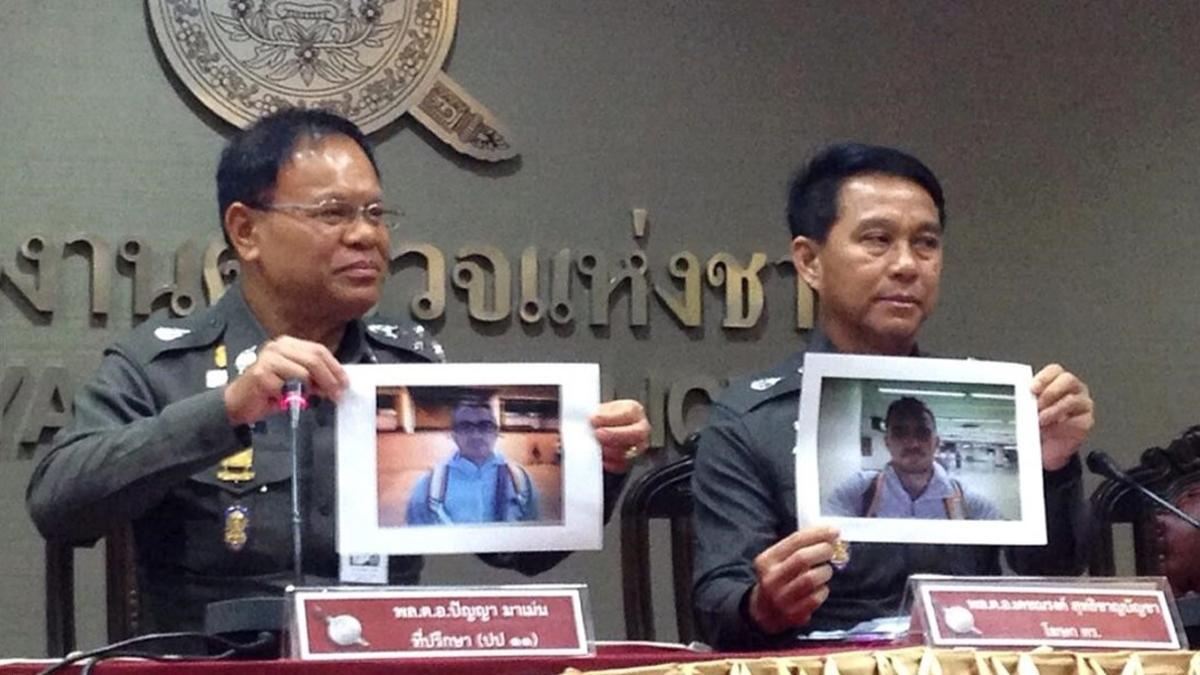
482,271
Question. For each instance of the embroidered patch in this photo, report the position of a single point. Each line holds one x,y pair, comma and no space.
169,333
765,383
216,378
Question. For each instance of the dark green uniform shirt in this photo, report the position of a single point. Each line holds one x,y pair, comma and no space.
148,434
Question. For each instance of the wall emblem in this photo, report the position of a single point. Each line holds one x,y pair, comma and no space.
368,60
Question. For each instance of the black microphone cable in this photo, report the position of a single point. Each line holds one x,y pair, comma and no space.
130,649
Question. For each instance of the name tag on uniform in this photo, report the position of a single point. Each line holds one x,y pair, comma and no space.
363,569
216,378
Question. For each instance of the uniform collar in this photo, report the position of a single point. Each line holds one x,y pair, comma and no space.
244,332
819,343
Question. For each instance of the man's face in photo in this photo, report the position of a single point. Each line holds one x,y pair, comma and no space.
912,441
475,431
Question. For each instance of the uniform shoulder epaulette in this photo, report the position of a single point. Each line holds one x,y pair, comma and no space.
747,392
162,333
403,335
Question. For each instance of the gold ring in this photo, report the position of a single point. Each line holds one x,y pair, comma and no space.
841,554
632,453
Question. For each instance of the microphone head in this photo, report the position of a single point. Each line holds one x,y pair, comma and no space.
1099,463
294,394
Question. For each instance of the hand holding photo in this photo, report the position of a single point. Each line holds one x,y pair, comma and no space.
909,450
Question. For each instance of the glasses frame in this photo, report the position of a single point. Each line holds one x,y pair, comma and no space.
387,217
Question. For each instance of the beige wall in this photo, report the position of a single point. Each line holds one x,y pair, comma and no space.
1066,134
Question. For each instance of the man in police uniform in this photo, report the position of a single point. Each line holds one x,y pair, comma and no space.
179,430
477,484
912,484
867,225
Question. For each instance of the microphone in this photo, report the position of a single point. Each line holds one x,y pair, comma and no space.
1099,463
294,398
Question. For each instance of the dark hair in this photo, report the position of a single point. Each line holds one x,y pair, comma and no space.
470,402
250,163
907,406
813,196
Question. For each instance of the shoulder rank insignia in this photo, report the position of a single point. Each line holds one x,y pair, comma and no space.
764,383
169,333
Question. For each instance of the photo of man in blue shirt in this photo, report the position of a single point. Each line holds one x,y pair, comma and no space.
912,484
477,484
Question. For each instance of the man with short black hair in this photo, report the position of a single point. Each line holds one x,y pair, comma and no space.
867,224
912,484
179,431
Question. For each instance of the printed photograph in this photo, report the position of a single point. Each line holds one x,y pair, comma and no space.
920,450
469,458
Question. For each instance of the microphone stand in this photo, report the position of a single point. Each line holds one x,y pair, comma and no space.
1181,514
1100,463
295,401
248,617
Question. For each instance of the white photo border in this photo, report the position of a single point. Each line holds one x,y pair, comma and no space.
358,529
1030,529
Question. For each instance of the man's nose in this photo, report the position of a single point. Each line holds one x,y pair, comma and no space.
904,261
362,232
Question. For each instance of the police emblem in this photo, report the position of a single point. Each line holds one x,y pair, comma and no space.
367,60
237,521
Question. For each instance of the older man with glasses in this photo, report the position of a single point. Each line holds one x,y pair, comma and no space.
175,432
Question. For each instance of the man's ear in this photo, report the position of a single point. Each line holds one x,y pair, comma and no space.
240,227
807,260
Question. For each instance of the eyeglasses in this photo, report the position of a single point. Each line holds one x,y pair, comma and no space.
484,427
336,213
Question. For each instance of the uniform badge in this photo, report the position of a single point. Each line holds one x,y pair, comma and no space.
245,359
764,383
391,331
237,521
169,333
238,467
220,358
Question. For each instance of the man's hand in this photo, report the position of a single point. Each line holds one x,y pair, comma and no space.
1065,414
622,432
792,577
256,392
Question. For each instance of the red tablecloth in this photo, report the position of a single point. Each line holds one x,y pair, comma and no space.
607,657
